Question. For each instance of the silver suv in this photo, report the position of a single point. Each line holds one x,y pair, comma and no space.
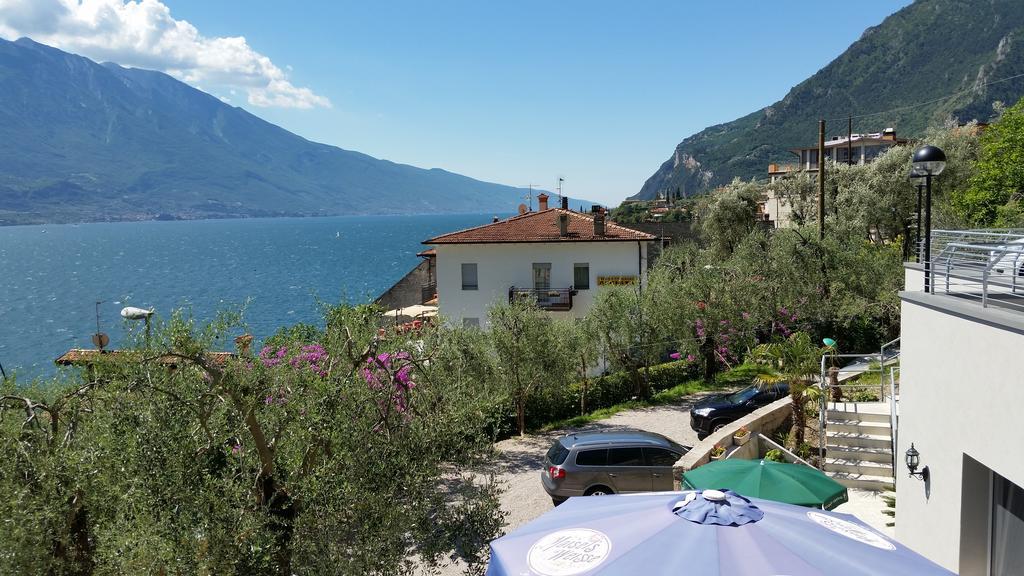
598,463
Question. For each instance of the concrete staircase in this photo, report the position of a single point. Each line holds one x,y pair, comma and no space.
858,445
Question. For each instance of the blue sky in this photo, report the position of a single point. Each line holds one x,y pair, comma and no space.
512,92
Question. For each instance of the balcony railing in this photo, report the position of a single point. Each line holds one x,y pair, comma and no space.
557,299
428,291
986,265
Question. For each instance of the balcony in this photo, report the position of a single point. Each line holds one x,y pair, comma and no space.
428,292
986,266
553,299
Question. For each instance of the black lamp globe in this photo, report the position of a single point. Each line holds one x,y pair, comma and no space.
928,161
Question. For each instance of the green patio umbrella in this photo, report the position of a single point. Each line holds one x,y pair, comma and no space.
790,483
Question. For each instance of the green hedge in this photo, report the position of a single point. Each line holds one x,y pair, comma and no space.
558,403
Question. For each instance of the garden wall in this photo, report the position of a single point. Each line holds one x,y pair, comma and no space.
761,421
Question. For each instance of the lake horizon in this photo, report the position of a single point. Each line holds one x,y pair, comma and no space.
52,275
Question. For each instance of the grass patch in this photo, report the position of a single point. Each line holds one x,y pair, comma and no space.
740,376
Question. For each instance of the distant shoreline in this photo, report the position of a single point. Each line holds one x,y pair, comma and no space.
4,222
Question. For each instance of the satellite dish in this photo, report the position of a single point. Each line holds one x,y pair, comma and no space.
100,340
522,208
133,313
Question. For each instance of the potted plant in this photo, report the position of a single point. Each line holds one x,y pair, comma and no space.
741,436
718,452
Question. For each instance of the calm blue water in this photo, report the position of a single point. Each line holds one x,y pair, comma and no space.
51,276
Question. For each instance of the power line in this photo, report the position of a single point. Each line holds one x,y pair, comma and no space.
919,104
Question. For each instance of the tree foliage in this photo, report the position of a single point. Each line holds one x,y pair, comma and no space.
995,196
529,352
346,454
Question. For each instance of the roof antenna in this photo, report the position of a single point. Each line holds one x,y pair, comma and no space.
560,180
529,198
99,339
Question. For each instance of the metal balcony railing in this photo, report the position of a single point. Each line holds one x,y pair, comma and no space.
557,299
986,265
428,291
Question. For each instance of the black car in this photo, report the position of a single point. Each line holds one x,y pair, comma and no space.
716,411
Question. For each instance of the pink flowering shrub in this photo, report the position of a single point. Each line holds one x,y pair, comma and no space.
391,373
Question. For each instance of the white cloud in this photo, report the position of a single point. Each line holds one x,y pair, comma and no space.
143,34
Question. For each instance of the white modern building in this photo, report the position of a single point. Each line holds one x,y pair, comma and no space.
961,404
558,256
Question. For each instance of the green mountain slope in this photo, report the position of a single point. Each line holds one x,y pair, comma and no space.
81,141
928,50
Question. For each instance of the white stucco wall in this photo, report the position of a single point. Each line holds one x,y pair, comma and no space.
501,266
961,392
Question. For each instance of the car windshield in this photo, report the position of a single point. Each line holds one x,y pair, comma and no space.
743,395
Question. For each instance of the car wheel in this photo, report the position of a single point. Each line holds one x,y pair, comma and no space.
557,501
715,427
702,435
599,491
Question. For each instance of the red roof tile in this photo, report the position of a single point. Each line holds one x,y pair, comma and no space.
541,227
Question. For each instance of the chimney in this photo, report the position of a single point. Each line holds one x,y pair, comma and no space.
565,202
242,344
563,225
494,219
542,202
889,134
599,223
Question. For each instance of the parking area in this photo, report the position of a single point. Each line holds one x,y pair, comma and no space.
521,461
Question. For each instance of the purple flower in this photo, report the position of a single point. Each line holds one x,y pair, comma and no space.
699,327
675,355
236,449
690,357
746,315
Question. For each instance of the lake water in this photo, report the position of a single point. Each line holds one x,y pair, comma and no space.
51,276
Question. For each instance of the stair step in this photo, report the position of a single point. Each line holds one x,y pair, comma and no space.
839,438
872,454
859,466
864,481
859,426
857,415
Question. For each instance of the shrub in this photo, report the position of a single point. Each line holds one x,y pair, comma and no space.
774,455
717,451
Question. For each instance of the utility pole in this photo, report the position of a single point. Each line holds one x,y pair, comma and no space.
821,180
849,140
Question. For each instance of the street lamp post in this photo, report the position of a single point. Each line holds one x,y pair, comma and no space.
914,175
928,161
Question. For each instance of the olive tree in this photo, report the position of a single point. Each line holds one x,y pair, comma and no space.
530,353
345,454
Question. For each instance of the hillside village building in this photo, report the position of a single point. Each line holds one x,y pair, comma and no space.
857,149
558,256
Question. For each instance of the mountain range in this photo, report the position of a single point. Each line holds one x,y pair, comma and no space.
82,141
930,61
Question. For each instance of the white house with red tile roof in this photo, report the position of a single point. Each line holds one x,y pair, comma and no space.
556,255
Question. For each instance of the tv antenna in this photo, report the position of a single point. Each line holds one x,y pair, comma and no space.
99,339
560,180
529,197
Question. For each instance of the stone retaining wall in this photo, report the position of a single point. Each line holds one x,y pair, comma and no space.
761,421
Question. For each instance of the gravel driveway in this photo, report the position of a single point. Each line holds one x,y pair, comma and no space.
521,458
